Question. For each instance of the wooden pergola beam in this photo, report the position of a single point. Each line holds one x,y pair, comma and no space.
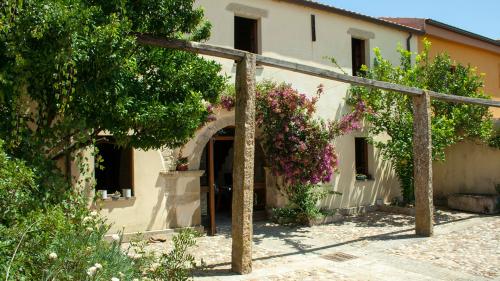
232,54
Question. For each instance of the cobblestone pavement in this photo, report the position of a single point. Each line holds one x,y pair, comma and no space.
374,246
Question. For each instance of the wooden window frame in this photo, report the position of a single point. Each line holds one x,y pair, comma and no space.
256,43
313,28
354,54
110,140
365,165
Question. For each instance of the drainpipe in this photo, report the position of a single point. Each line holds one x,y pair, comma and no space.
408,45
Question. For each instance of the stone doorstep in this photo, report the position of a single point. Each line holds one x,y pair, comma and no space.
475,203
156,235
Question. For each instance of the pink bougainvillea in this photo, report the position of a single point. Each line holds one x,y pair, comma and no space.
227,102
298,146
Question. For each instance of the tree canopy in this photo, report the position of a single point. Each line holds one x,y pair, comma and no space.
72,68
391,113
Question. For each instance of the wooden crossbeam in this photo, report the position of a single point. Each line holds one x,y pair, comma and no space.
237,55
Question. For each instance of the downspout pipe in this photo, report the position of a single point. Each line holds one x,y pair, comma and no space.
408,42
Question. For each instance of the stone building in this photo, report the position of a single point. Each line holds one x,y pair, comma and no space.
295,30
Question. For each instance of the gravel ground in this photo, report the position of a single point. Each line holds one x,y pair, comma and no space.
374,246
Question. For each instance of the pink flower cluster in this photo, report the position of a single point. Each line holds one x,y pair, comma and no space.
298,146
211,115
227,102
349,122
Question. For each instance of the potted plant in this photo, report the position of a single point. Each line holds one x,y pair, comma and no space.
181,164
361,177
116,195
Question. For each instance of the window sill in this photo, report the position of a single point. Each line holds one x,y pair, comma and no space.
109,199
372,179
179,174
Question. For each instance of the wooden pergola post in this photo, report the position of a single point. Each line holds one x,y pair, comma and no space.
422,157
243,166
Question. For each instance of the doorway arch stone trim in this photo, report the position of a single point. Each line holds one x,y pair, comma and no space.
194,148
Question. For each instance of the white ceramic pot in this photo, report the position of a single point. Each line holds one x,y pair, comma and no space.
104,194
127,192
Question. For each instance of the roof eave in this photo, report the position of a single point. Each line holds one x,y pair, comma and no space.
461,31
327,8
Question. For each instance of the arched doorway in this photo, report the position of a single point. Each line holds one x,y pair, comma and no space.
216,183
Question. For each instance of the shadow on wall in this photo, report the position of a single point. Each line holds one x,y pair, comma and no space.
469,168
160,184
384,184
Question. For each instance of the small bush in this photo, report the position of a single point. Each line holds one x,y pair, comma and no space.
303,204
66,241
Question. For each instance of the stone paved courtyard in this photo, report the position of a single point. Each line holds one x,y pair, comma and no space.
374,246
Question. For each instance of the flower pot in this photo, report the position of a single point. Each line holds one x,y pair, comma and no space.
183,167
127,192
115,197
104,194
361,177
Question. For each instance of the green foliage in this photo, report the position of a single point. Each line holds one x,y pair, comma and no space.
391,113
66,241
69,70
494,141
176,265
76,238
17,189
69,244
72,69
303,204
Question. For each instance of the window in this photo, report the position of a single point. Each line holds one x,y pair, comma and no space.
117,173
358,55
246,35
313,28
361,151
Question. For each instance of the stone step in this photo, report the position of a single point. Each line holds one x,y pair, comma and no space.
475,203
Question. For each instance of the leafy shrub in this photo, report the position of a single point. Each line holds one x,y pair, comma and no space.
61,244
391,113
17,188
66,241
302,206
176,265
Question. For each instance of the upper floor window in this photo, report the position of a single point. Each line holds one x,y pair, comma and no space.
358,55
246,34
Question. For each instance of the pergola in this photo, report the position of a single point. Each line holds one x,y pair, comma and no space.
244,142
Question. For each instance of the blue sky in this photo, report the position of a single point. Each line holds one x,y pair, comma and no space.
478,16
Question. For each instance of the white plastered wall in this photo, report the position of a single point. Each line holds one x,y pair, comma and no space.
285,33
169,200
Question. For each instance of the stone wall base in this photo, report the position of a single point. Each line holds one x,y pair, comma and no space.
156,235
475,203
